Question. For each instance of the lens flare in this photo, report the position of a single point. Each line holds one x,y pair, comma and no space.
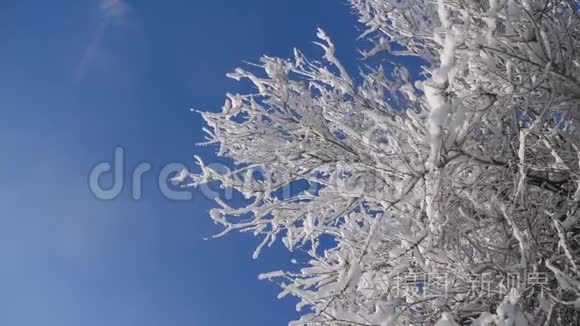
114,16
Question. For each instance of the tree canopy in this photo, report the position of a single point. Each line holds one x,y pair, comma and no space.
449,197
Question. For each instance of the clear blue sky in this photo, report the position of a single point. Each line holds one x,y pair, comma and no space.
73,86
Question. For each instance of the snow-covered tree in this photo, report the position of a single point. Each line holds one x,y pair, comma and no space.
448,199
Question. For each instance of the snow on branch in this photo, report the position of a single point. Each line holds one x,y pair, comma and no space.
445,200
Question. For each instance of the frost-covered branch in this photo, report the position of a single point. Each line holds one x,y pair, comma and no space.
422,187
